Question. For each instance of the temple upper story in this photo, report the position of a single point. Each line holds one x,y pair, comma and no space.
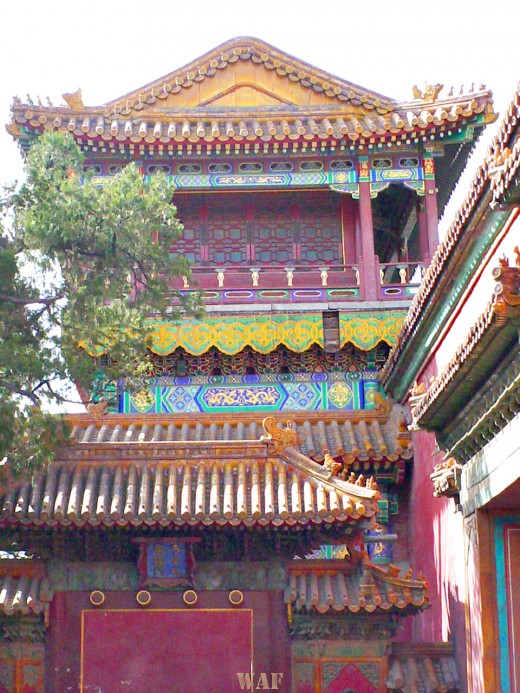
294,186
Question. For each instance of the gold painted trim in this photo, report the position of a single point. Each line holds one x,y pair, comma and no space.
236,597
97,598
190,597
143,597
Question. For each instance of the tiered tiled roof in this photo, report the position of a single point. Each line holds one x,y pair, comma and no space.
294,102
357,437
417,667
146,474
347,585
489,184
494,332
282,125
24,587
507,151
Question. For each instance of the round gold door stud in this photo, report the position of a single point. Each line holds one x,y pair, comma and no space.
97,598
190,597
143,597
236,597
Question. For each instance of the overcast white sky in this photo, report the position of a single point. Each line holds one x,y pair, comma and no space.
109,48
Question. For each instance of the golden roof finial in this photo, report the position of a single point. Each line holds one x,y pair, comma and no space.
430,94
97,409
74,100
279,438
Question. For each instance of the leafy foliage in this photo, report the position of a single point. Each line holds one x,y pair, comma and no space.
80,263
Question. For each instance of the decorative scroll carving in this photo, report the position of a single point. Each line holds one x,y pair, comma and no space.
311,627
21,629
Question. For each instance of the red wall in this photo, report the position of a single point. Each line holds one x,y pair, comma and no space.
436,538
159,648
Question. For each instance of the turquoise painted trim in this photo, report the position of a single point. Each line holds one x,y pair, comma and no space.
197,181
260,393
414,355
503,630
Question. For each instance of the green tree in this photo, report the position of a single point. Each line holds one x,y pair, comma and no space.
81,263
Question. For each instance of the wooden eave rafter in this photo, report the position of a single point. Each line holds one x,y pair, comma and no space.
495,404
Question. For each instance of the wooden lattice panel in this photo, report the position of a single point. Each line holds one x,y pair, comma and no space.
189,243
273,242
227,231
320,229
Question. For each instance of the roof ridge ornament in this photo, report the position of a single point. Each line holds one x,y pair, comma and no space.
74,100
279,439
497,160
507,289
383,404
98,409
429,95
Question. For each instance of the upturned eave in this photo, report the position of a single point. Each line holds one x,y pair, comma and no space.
473,230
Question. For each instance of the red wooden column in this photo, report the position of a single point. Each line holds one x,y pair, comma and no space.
369,281
430,208
424,254
348,216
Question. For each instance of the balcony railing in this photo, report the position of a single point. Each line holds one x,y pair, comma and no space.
400,279
299,283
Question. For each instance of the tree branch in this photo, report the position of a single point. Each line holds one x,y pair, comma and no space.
41,301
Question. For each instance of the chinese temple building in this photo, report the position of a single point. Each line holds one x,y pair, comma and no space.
464,399
249,503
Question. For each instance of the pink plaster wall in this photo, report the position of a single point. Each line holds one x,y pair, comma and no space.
436,538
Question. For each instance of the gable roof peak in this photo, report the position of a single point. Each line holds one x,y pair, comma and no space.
263,55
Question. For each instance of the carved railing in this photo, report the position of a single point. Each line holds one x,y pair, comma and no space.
400,279
300,283
288,283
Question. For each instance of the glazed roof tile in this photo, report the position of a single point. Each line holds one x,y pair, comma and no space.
368,435
422,667
278,126
338,586
192,127
149,482
486,188
506,175
24,587
246,48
